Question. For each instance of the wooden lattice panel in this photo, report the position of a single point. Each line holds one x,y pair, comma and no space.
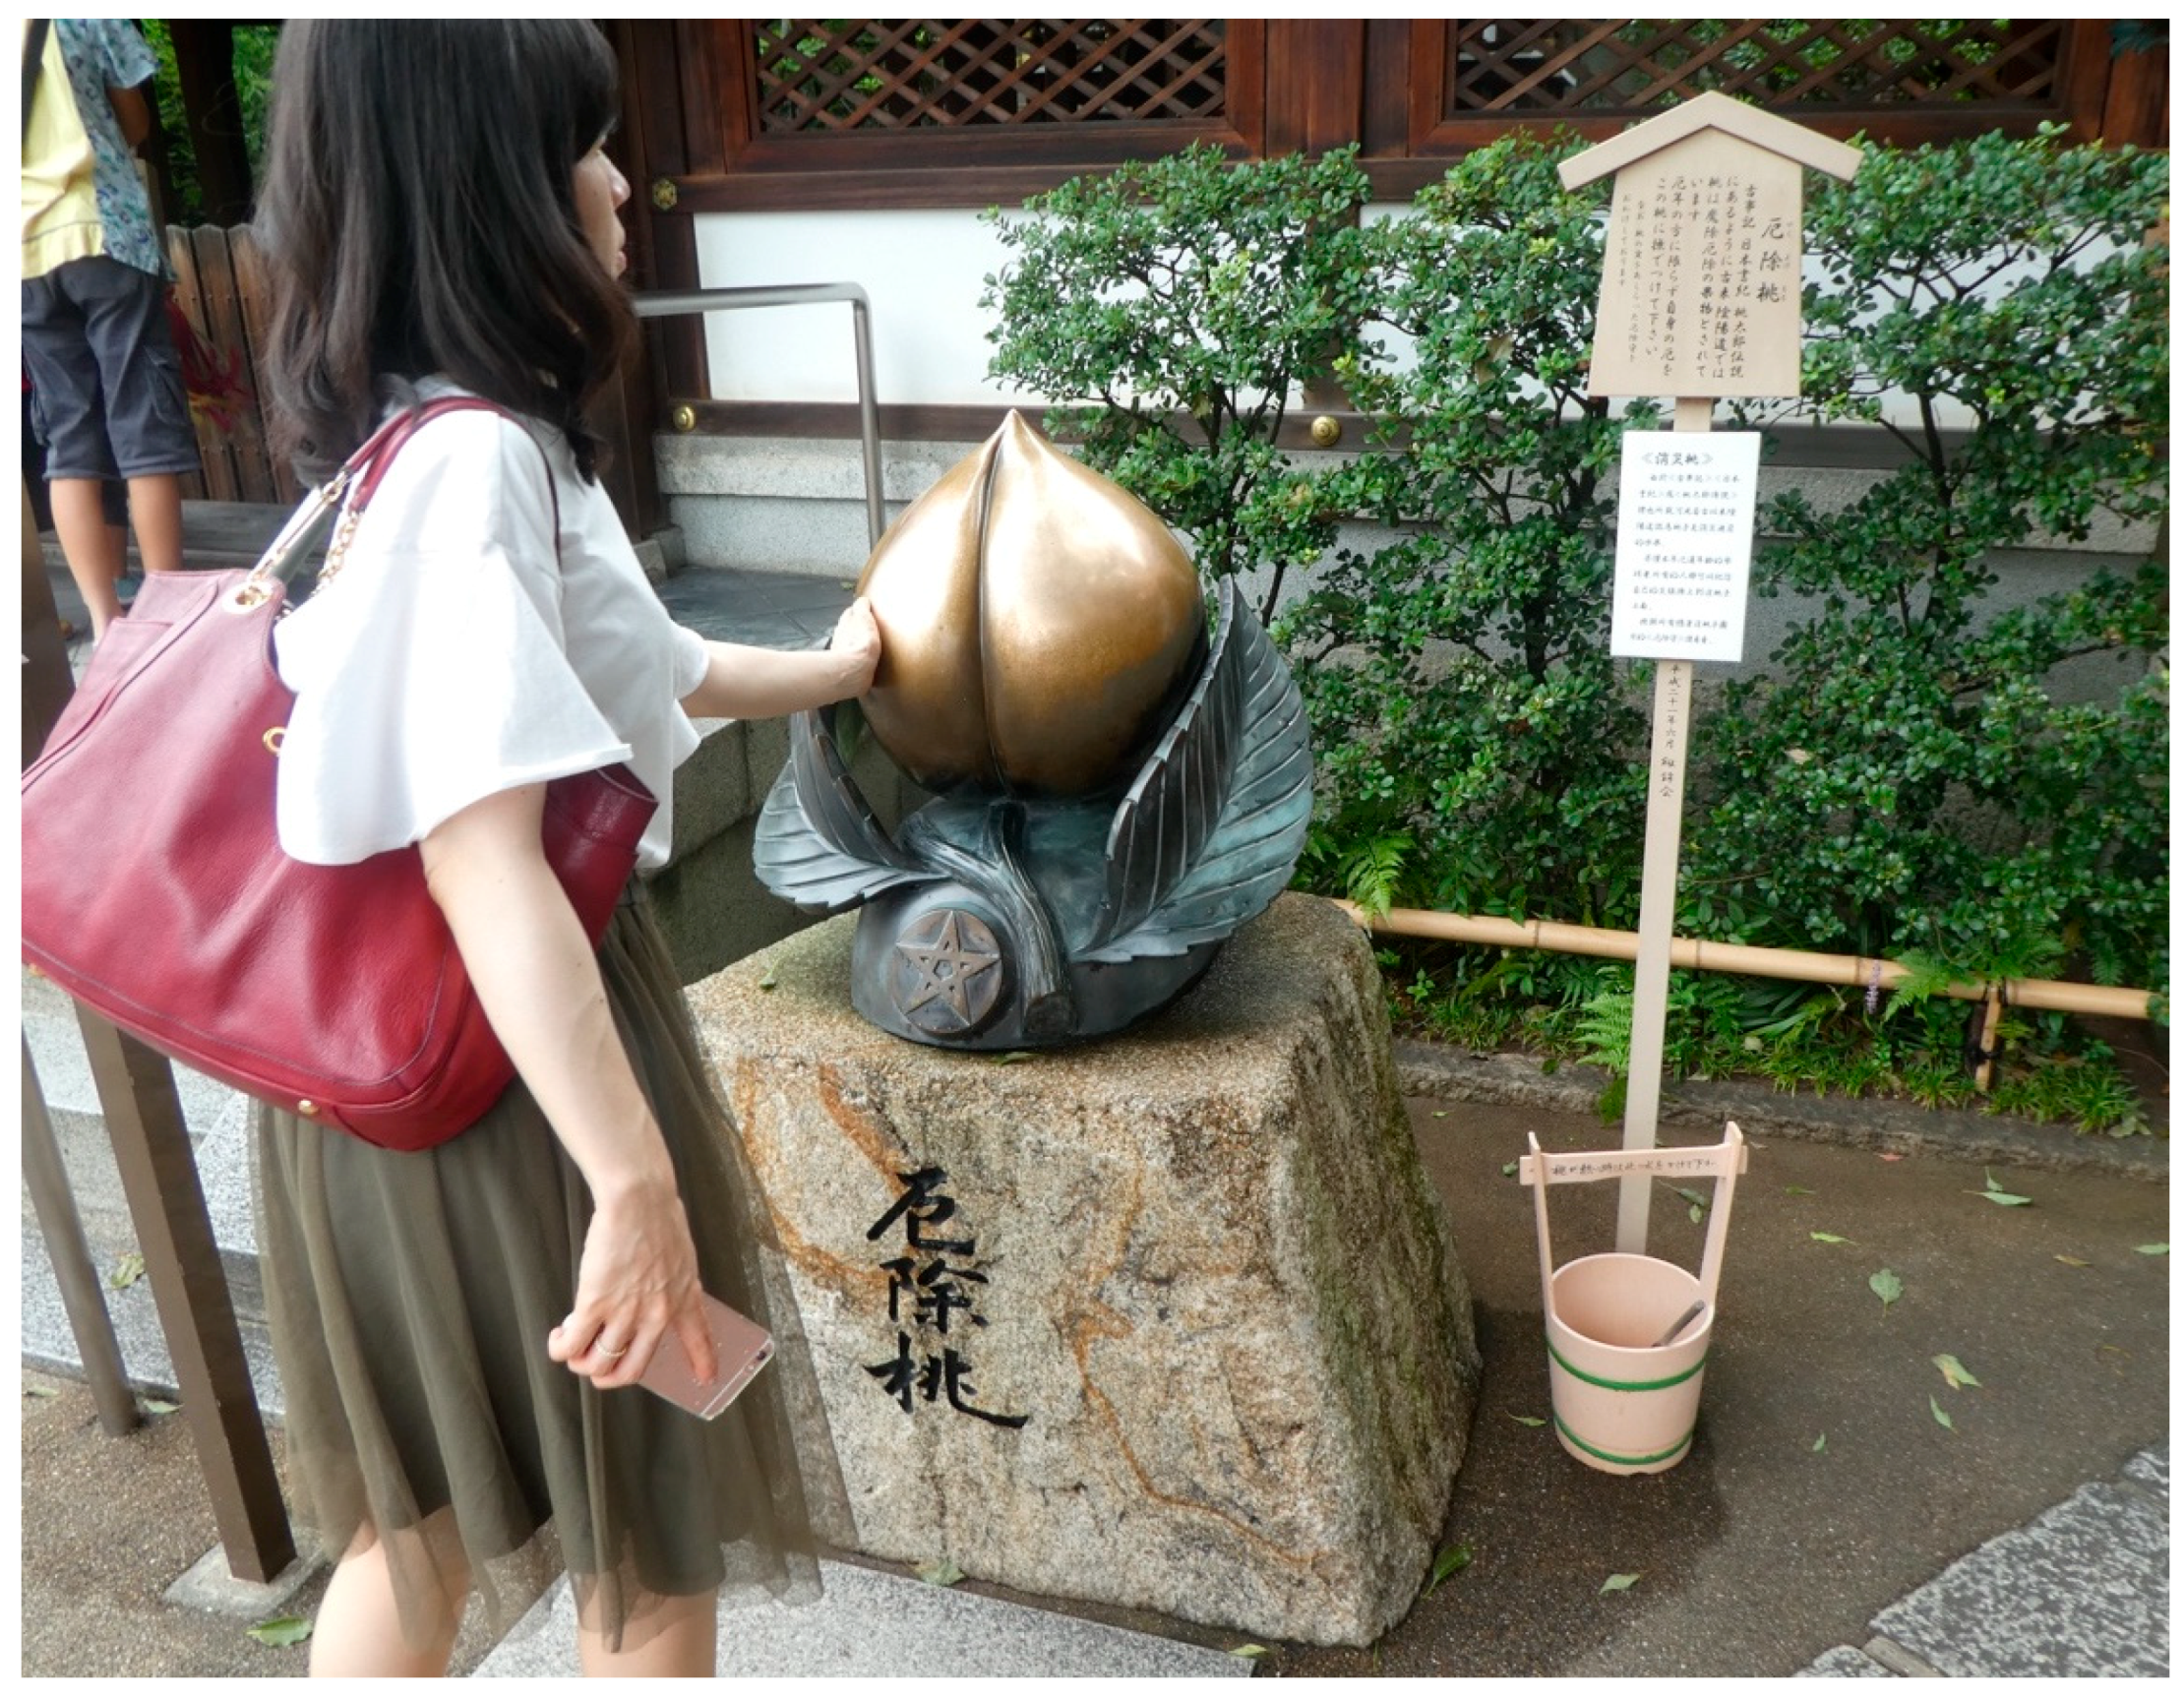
1528,67
898,73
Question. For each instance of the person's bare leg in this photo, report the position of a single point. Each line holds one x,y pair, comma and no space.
358,1630
156,515
95,549
683,1640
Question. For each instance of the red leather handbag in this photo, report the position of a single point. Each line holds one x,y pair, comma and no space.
155,889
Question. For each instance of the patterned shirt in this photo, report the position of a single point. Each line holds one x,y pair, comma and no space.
60,221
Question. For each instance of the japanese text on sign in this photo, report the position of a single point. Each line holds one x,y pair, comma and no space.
1700,281
1608,1165
1683,545
925,1289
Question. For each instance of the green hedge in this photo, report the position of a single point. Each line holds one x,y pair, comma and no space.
1902,778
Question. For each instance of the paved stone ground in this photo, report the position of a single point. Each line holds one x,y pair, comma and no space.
2082,1590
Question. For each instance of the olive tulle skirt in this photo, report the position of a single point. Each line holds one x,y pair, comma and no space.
410,1296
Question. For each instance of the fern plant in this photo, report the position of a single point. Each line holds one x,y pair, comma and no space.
1372,872
1605,1029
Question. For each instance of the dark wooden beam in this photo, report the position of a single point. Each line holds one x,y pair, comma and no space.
656,73
205,61
1862,448
629,412
1315,94
46,684
2137,111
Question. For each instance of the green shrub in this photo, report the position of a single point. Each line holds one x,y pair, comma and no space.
1188,286
1458,678
1905,778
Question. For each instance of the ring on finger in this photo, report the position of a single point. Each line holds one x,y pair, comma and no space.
599,1349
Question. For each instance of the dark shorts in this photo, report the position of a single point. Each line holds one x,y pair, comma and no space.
106,396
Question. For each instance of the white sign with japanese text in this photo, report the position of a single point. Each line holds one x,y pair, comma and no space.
1683,545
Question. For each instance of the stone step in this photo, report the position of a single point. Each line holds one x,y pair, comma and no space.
875,1624
220,535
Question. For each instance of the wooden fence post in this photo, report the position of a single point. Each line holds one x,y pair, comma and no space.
166,1204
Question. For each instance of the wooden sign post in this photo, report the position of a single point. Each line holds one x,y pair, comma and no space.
1700,296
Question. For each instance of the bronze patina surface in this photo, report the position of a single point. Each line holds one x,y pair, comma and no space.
1038,625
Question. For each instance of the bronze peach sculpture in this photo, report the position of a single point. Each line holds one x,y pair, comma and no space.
1117,793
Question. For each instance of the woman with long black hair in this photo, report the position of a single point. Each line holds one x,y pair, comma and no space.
459,1330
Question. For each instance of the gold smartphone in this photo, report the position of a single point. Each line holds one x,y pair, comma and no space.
741,1347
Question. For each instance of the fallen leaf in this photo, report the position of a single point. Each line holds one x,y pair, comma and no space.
1508,1169
127,1272
1248,1650
1885,1286
2153,1249
1798,1191
1008,1056
281,1631
1833,1239
1528,1420
1449,1560
158,1405
1955,1372
1619,1583
939,1572
1995,1195
40,1392
769,981
1891,1156
1820,1444
2073,1261
1940,1415
1440,1115
2007,1199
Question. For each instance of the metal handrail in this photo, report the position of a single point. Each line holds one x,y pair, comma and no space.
670,304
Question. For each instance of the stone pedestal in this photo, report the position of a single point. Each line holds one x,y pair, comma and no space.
1170,1321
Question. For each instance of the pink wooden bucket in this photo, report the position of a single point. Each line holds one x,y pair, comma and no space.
1623,1376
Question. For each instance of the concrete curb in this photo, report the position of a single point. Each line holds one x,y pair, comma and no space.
1870,1123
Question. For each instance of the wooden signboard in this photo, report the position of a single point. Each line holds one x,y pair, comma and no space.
1700,298
1700,284
1700,288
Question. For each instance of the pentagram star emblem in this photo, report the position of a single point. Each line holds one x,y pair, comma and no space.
954,961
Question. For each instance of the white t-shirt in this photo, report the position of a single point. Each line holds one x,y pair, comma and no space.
453,655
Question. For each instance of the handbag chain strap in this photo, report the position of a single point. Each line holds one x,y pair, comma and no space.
339,503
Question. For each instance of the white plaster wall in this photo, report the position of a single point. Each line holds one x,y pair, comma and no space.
924,272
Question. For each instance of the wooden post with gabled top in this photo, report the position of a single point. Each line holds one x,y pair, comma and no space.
1700,299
